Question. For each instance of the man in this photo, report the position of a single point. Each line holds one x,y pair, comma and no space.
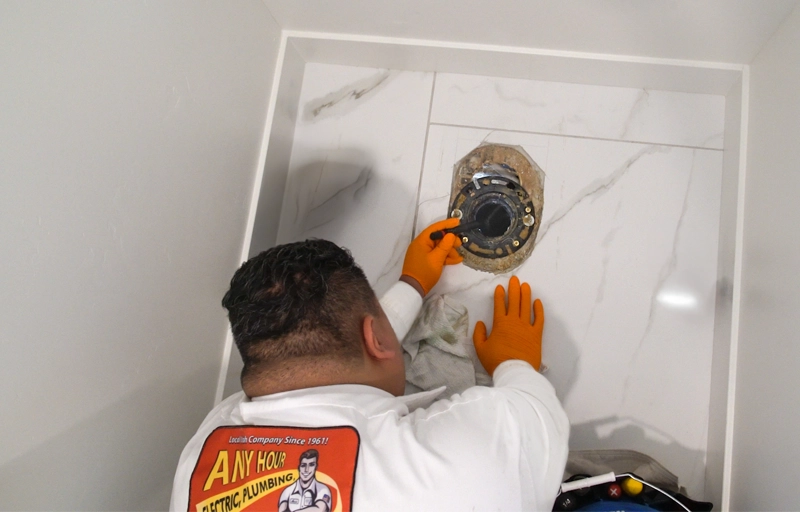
323,366
307,493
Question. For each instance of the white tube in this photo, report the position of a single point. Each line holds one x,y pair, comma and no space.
588,482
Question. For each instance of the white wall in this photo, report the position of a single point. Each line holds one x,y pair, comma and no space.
130,138
711,30
767,423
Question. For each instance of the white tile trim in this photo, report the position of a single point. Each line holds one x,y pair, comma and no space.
251,216
513,49
737,294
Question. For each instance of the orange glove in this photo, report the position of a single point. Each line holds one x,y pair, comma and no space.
513,336
425,258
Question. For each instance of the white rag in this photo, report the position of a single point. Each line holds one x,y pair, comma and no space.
438,352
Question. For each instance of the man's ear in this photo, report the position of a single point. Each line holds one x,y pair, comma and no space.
375,345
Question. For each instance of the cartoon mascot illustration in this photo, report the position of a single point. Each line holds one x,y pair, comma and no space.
307,493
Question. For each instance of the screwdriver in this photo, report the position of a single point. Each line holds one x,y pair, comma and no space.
438,235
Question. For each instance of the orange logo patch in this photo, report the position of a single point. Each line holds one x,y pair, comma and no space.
275,468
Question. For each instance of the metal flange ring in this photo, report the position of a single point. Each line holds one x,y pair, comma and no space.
505,210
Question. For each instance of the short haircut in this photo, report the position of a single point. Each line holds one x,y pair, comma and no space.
298,300
309,454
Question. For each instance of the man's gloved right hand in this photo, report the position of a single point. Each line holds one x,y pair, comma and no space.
426,258
513,335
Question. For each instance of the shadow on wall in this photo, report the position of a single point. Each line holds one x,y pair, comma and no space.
560,354
340,196
130,466
323,194
233,382
626,433
344,198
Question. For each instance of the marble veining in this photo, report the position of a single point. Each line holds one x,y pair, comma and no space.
668,268
614,113
639,107
597,187
626,257
338,102
622,223
356,162
324,208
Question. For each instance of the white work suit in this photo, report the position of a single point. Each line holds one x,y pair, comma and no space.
489,448
298,498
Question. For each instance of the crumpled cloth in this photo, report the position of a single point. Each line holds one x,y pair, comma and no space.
438,352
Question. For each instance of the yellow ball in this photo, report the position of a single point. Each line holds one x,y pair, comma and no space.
632,487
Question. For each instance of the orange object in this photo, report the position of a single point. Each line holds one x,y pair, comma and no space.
425,258
513,336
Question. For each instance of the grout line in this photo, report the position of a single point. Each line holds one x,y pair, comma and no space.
424,153
452,125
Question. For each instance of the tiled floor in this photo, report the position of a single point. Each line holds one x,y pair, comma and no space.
626,256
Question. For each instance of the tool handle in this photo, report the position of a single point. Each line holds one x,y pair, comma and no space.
588,482
438,235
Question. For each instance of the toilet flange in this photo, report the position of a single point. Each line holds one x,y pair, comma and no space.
504,207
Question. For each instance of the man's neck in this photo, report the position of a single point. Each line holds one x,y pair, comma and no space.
304,373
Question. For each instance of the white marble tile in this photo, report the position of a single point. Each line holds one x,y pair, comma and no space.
627,254
626,267
356,162
616,113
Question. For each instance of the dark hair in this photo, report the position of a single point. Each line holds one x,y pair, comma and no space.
299,299
309,454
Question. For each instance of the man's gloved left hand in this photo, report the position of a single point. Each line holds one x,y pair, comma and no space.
514,335
425,258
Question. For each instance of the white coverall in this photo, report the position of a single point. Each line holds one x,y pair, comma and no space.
490,448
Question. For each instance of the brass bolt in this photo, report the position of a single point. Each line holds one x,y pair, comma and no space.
516,243
527,209
464,239
456,214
